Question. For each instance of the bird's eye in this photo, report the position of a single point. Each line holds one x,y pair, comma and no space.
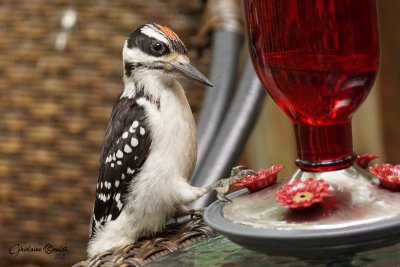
158,47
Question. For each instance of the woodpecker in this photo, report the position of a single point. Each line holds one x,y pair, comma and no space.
149,150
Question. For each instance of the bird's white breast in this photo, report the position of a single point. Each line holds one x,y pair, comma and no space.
174,132
162,180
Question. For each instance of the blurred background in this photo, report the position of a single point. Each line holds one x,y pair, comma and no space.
60,74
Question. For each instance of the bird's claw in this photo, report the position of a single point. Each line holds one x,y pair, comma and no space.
196,213
222,186
239,172
223,198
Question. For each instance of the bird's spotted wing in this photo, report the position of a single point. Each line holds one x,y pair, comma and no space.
126,146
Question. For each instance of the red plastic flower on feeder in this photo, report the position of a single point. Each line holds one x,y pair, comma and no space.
302,194
364,160
265,178
388,174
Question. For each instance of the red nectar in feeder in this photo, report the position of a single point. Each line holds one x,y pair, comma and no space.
318,61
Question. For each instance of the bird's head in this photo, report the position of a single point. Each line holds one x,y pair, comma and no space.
157,50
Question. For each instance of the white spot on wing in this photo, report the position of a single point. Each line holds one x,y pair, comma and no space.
135,124
116,183
127,149
125,135
119,162
119,154
134,141
130,171
142,131
119,205
102,197
123,176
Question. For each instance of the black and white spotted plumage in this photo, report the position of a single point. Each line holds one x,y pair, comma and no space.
126,146
150,145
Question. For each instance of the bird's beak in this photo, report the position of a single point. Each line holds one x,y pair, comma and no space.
190,72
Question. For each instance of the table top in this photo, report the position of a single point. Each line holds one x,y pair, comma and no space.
219,251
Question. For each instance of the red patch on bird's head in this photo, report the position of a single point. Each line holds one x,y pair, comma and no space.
168,32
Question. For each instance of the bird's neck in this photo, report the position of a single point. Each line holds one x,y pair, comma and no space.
152,86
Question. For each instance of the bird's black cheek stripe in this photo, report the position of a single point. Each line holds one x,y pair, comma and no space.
129,67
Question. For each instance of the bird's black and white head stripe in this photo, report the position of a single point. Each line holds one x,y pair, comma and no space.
155,50
156,40
150,46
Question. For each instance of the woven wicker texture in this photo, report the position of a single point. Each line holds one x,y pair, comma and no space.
144,251
58,84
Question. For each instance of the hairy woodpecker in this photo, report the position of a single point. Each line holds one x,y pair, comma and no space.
150,145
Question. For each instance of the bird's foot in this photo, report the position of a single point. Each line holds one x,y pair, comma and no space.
222,186
221,197
183,211
196,213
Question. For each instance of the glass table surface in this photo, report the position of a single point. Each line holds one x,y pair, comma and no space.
219,251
